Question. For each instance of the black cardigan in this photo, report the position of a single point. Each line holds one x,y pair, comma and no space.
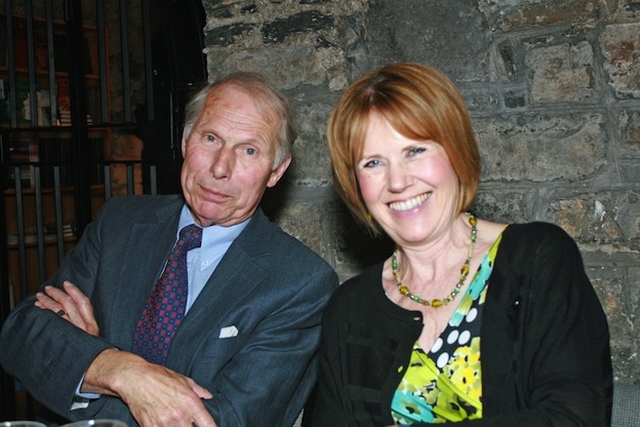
544,342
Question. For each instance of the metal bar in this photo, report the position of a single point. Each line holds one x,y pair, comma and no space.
107,182
33,85
17,173
57,197
39,224
153,179
102,57
7,385
53,88
124,40
148,66
79,129
11,63
130,179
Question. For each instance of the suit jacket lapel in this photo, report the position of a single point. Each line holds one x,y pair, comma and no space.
145,254
234,278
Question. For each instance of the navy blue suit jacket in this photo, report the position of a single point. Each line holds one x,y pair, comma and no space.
268,286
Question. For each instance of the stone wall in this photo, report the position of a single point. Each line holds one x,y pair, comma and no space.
553,88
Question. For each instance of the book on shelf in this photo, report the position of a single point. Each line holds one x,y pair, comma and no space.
21,154
65,118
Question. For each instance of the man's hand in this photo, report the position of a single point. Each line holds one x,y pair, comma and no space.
155,395
75,305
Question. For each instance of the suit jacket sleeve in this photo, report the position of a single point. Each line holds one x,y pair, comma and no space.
45,352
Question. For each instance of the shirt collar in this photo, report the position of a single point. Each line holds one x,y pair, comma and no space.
212,233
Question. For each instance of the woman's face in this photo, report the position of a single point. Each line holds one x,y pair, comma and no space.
408,186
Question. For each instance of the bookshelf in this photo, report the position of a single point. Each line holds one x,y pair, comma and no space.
40,199
45,73
53,164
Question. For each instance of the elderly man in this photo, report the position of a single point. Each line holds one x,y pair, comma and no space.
192,310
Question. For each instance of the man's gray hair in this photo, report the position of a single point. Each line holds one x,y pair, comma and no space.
268,99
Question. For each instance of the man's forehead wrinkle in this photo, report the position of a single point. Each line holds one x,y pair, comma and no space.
225,123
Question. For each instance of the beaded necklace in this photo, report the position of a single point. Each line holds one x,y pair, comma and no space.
464,272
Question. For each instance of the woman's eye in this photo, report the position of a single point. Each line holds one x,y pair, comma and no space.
370,164
416,150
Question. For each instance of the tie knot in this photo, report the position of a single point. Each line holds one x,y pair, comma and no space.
190,237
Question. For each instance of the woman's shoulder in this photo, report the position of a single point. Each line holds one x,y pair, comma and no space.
358,289
364,280
536,233
536,243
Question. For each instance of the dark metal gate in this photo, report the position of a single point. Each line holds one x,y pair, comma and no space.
91,101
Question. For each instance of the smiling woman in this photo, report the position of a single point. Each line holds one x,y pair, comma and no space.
417,104
468,320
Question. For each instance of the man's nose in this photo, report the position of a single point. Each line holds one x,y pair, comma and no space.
223,163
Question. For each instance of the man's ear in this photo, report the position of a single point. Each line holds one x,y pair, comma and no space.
277,173
183,146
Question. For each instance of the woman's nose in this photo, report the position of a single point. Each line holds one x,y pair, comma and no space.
399,177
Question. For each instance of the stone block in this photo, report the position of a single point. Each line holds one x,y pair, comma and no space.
606,221
510,15
628,171
286,66
227,34
429,32
278,30
624,11
633,290
629,124
515,99
509,61
480,98
311,165
561,73
620,44
503,205
305,221
613,287
557,146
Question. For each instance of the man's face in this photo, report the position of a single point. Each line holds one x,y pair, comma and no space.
228,159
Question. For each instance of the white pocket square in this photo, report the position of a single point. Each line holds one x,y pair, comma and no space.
228,332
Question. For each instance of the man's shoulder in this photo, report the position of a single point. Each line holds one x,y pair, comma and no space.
141,200
264,236
139,208
142,203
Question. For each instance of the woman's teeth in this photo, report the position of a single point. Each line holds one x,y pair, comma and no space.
405,205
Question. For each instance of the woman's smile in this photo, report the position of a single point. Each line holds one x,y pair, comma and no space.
409,204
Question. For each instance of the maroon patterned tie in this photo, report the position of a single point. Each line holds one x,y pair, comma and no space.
166,305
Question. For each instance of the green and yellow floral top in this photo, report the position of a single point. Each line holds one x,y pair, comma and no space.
445,384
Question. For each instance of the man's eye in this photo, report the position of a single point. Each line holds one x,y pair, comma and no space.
210,138
250,151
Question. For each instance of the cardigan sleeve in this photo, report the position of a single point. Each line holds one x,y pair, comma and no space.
561,354
329,408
